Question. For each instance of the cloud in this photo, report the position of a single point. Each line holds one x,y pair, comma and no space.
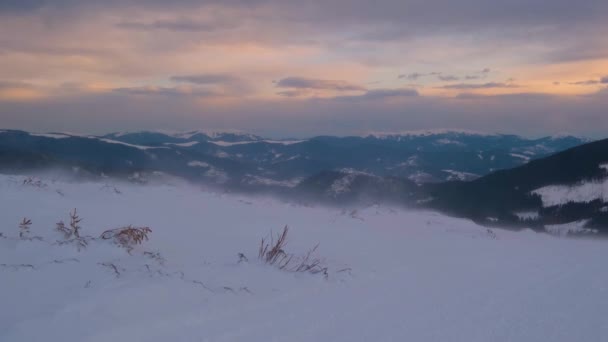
479,74
185,25
166,91
123,44
585,83
14,84
447,78
294,93
381,94
526,114
217,83
488,85
205,78
413,76
170,25
310,83
600,81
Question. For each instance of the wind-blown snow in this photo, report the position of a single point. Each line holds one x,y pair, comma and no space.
393,275
580,193
604,166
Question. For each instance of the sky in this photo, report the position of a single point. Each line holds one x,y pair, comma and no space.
289,68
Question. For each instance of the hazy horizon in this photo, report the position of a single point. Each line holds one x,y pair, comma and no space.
416,132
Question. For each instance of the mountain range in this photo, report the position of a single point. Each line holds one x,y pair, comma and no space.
494,179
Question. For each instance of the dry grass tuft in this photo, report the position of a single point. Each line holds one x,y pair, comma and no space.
127,237
273,253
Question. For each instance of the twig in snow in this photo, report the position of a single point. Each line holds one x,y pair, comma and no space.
24,228
17,267
112,266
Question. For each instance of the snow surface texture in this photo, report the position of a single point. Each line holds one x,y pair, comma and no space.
393,275
580,193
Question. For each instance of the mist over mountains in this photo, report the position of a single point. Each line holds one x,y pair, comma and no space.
493,179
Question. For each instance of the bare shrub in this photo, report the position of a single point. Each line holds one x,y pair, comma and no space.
273,253
127,237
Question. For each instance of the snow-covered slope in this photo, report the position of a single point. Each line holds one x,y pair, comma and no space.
392,275
583,192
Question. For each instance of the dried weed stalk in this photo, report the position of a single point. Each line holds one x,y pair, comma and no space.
24,228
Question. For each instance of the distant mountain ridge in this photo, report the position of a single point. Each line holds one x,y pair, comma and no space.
243,159
492,178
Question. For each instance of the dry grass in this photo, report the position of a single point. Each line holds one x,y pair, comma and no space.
273,253
127,237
